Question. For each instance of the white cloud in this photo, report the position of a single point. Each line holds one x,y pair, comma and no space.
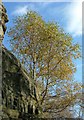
74,18
72,14
20,10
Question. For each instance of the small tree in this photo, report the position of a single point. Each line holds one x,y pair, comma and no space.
47,53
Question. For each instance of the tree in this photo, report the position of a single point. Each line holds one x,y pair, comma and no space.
47,53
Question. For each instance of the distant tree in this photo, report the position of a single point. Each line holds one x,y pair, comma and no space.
47,53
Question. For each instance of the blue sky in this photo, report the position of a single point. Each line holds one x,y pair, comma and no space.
67,14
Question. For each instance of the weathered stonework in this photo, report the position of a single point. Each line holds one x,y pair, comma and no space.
16,92
3,20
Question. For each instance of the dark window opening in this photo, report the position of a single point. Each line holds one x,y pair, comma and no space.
2,95
6,102
36,111
15,103
29,111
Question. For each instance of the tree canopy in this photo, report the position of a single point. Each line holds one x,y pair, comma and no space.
47,53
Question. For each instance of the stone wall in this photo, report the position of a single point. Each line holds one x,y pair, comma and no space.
16,87
3,20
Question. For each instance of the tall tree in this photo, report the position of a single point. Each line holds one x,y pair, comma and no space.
47,53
